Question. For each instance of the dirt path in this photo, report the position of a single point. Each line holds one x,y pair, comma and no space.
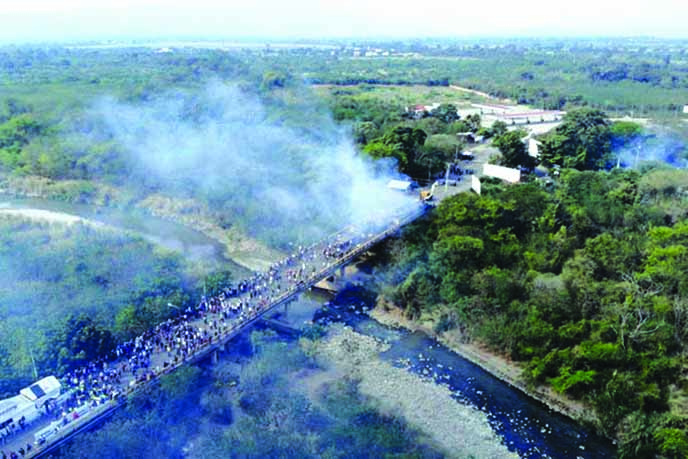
481,94
473,91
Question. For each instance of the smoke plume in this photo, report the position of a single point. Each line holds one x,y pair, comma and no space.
661,147
280,172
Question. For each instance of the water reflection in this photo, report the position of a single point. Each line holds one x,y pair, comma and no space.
527,427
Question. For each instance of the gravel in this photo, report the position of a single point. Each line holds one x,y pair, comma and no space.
459,430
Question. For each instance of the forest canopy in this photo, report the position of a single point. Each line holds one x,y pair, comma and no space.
583,283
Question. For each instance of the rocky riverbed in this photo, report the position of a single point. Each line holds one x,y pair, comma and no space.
497,365
461,431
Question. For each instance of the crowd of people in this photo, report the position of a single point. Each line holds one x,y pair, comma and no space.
215,317
21,452
7,431
174,341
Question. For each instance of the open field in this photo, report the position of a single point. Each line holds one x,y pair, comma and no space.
405,95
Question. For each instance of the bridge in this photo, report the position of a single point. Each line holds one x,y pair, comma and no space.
97,391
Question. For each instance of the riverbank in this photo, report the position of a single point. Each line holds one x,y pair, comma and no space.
499,366
457,429
48,216
243,250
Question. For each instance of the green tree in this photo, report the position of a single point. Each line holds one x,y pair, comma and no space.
365,131
16,133
513,150
431,126
474,122
458,127
379,149
447,113
274,79
408,138
582,141
403,143
444,144
437,151
78,341
624,133
498,128
672,442
215,282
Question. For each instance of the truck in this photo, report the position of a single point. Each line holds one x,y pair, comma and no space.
30,403
427,195
467,156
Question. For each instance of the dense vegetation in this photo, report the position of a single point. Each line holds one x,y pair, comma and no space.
46,93
244,133
579,278
626,76
68,294
584,283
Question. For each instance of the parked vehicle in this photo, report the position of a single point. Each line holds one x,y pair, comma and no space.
30,403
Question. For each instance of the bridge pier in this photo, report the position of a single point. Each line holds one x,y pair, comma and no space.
215,357
342,271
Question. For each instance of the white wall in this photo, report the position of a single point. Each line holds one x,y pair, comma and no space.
475,184
504,173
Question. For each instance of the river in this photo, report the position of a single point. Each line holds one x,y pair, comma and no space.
526,426
191,244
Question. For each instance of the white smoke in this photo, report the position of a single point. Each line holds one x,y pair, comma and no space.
656,148
279,182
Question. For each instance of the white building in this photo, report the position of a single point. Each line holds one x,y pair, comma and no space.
420,109
475,184
685,109
533,148
493,109
517,115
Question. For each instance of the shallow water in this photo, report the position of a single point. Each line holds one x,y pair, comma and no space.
526,426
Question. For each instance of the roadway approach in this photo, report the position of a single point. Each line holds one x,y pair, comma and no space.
59,431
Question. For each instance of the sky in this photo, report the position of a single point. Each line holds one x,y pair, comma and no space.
75,20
